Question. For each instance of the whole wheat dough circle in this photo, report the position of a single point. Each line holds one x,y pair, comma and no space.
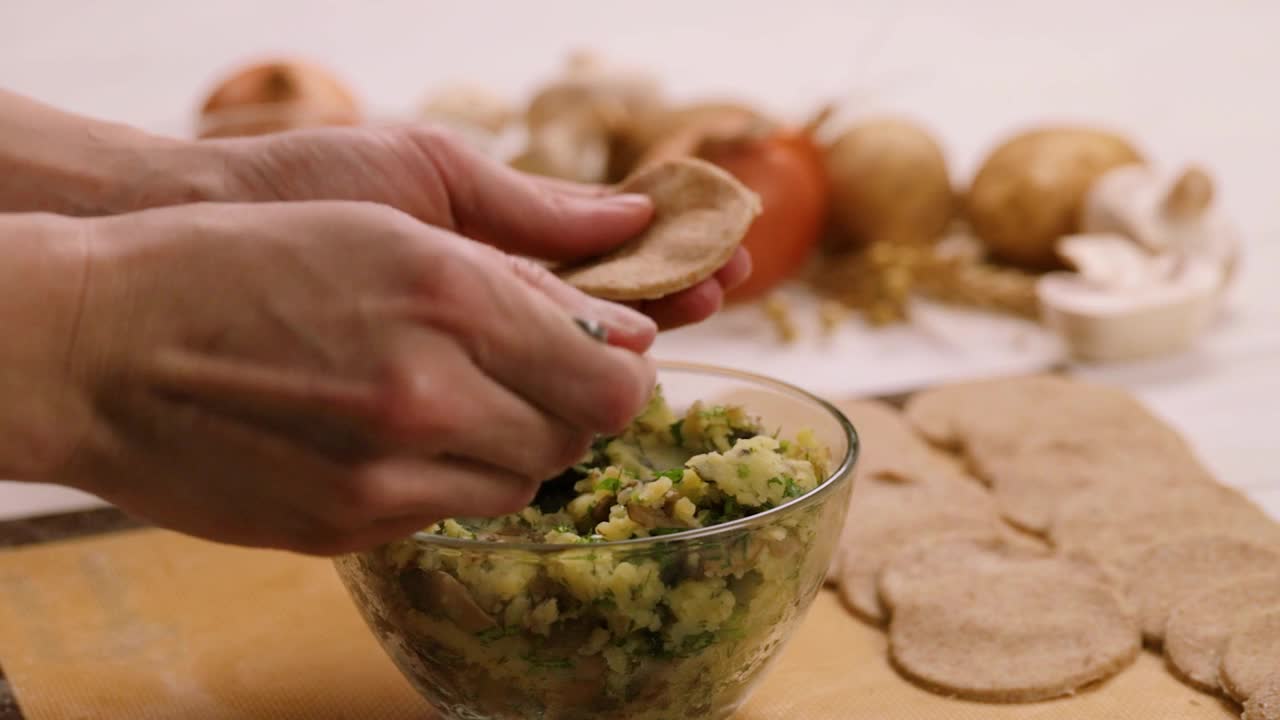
908,574
1252,656
1111,520
1201,625
1011,630
1039,440
884,514
1265,703
1162,575
701,214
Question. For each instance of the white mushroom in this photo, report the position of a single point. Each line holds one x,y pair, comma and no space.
1163,213
571,121
1126,308
479,117
1149,268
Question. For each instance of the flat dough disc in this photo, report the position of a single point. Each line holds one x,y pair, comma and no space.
1201,625
1110,521
1004,628
1265,703
1161,576
886,512
701,214
910,570
1252,657
1039,440
891,448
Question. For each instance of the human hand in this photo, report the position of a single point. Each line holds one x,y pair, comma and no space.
439,180
326,376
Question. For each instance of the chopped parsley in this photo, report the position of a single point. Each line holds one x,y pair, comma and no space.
609,483
744,471
497,632
791,490
675,475
677,431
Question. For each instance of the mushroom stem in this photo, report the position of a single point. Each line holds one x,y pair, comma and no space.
1189,197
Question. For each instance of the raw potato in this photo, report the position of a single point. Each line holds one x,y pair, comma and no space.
1265,703
1252,657
1161,576
1201,626
701,214
1031,189
1010,629
889,181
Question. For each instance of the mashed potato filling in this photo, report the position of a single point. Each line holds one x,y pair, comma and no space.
615,622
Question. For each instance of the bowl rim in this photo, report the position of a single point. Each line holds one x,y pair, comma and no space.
842,470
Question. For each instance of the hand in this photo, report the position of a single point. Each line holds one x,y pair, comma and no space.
439,180
326,376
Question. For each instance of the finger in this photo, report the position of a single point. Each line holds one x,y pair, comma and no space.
528,343
440,403
526,215
736,271
428,490
571,187
627,327
685,307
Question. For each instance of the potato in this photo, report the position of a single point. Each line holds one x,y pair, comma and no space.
1030,190
889,181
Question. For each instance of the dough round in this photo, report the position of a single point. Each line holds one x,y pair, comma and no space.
886,514
1252,657
1109,521
1265,704
1201,625
1039,440
907,575
1161,576
701,214
1003,628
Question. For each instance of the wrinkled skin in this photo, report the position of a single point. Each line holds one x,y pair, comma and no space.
437,179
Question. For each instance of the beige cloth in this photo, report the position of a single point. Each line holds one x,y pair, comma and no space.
150,625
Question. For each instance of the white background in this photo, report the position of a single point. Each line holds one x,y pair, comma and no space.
1191,79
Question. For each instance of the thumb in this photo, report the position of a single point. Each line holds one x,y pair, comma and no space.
529,215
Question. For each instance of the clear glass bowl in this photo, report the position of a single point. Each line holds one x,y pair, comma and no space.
455,615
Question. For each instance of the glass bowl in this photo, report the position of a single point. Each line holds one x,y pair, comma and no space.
675,626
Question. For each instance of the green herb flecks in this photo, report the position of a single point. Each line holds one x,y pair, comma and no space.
677,432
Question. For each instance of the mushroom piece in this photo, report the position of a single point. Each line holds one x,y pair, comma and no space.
571,122
478,117
1166,214
1123,303
439,593
1150,268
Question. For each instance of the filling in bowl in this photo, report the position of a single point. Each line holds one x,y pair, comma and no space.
676,627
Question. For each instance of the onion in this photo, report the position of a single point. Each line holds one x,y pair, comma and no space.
277,95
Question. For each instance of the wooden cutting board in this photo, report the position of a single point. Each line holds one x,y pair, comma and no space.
152,625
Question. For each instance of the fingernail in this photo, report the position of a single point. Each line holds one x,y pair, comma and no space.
624,320
630,201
